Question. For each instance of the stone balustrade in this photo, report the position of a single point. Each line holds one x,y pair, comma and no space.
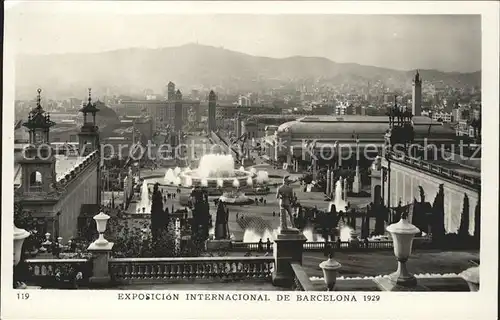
301,279
161,269
73,173
419,242
319,246
439,170
45,271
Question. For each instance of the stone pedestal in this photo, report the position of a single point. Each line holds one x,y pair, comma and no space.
287,249
388,284
100,263
214,245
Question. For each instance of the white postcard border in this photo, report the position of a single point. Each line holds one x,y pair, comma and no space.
54,304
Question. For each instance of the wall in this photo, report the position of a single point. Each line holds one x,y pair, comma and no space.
82,190
403,184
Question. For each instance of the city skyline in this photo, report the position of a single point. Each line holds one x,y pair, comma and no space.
450,43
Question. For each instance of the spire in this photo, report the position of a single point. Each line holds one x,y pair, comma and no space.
90,107
37,119
39,98
211,96
417,77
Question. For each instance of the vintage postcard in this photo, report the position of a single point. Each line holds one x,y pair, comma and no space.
231,160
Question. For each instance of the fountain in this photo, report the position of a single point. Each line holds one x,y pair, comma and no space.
252,235
169,177
345,233
340,204
217,171
145,202
262,177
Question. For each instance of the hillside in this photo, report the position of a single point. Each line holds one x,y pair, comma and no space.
132,70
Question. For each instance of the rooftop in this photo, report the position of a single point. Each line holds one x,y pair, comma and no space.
349,124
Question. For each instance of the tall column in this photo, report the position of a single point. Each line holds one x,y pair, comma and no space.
356,186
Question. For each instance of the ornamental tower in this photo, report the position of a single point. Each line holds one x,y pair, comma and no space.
88,137
171,96
212,102
38,163
417,95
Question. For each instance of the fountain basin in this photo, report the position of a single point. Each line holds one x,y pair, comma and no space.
235,198
193,178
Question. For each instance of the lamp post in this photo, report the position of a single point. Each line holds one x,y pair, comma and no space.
330,268
101,220
402,234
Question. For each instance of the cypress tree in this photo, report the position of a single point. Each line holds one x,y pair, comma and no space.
463,231
157,214
477,225
438,231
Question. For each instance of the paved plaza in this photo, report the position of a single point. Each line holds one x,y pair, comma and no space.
353,263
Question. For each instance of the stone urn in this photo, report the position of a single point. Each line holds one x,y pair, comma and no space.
471,276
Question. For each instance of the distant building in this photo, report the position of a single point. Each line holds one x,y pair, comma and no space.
171,95
288,141
255,126
464,129
460,114
442,116
163,112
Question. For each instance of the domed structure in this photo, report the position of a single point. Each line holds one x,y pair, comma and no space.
348,131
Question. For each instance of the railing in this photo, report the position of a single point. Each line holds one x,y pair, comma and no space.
301,279
221,268
440,170
45,271
319,246
35,188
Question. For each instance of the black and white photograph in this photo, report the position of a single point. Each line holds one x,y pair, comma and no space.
247,157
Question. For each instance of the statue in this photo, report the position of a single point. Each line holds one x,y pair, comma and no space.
221,222
285,196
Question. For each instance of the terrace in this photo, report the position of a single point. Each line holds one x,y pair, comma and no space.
243,272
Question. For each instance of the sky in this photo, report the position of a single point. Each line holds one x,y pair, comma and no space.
406,42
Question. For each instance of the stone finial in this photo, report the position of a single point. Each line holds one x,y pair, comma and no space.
38,97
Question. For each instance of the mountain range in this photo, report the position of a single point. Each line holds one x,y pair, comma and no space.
199,66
